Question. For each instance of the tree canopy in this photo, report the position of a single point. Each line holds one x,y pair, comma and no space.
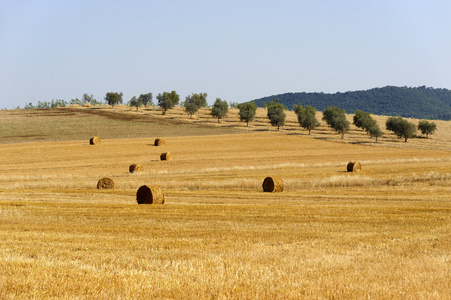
219,109
168,100
276,113
336,119
364,120
427,127
113,98
247,111
87,98
401,127
375,131
146,99
194,102
306,117
136,102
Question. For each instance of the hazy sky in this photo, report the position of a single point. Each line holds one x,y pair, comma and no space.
235,50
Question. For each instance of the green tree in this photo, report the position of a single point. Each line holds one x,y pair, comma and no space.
113,98
336,119
29,106
146,99
341,126
427,127
276,113
363,120
330,113
401,127
375,131
194,102
76,101
87,98
168,100
219,109
306,117
247,111
136,102
58,103
357,119
367,123
95,102
42,104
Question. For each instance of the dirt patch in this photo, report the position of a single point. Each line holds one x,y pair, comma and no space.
122,116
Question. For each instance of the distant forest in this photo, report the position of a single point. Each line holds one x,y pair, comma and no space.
409,102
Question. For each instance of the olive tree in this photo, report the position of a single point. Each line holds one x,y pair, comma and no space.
427,127
87,98
168,100
276,113
136,102
363,120
375,131
401,127
336,119
219,109
247,111
146,99
113,98
194,102
306,117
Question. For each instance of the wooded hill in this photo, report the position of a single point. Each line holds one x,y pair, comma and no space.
410,102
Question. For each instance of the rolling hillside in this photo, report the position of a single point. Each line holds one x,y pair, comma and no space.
411,102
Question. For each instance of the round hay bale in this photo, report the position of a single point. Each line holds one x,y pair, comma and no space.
95,141
273,185
166,156
135,168
354,167
152,194
160,142
105,183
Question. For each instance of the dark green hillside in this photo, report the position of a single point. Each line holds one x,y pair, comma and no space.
415,102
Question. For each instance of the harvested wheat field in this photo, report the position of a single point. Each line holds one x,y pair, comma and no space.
382,233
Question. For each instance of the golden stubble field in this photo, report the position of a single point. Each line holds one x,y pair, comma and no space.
380,234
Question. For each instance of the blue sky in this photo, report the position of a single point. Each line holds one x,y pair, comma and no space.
233,50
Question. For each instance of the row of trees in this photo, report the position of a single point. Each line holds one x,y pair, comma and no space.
405,129
168,100
62,103
336,119
332,115
364,120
